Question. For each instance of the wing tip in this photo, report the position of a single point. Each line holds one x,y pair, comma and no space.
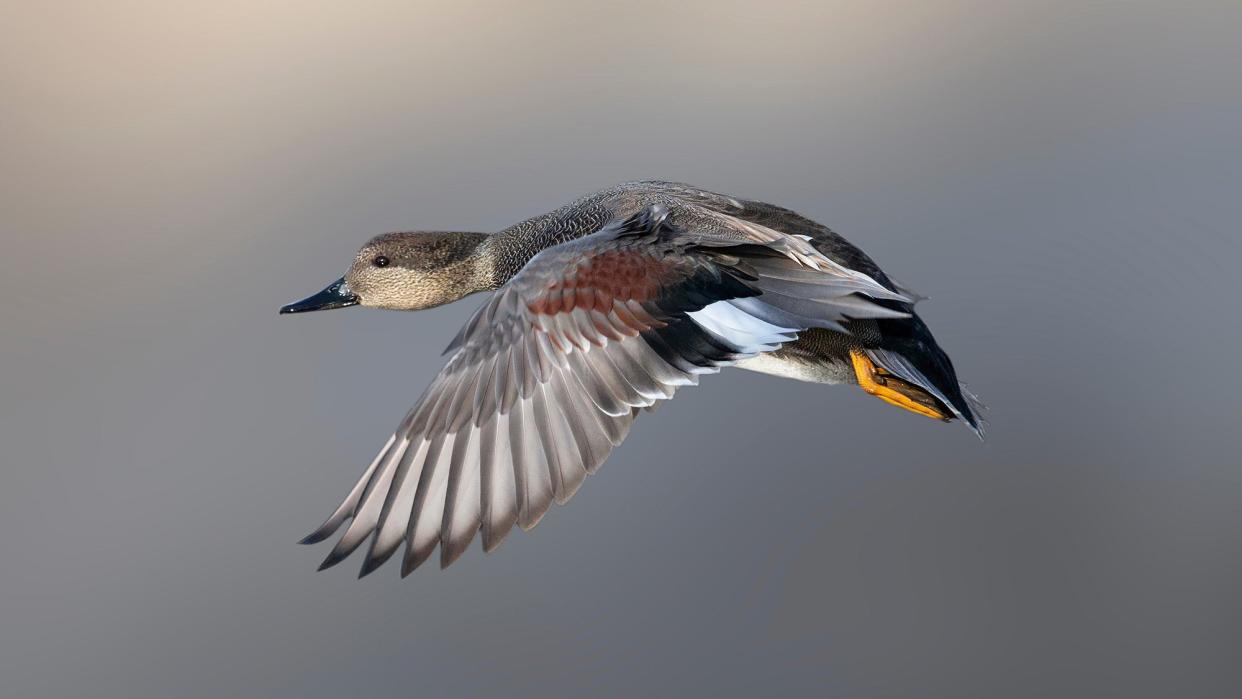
313,538
407,567
450,552
325,530
340,552
332,559
369,565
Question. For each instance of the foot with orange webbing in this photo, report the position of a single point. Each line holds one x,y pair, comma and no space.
875,380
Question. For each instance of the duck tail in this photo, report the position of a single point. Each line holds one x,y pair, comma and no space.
908,351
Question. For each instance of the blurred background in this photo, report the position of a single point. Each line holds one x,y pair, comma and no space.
1061,179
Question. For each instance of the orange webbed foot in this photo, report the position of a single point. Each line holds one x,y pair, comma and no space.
879,383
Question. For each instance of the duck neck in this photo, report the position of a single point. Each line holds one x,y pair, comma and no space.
508,251
495,262
478,270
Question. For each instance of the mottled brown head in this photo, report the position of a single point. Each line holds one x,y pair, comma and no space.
408,272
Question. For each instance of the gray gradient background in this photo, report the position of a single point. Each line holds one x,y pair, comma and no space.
1061,179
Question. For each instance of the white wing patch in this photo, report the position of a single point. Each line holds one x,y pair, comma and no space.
749,334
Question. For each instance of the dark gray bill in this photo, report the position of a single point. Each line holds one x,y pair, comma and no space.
335,296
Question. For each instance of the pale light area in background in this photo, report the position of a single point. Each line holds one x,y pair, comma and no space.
1060,178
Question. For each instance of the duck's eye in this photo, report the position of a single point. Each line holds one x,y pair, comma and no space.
380,261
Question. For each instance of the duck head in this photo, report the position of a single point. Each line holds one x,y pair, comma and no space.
408,272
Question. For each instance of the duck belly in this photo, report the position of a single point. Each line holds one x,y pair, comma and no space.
795,362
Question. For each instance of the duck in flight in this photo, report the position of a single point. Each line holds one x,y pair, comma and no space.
601,309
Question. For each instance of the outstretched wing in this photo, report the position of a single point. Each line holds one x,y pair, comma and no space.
549,374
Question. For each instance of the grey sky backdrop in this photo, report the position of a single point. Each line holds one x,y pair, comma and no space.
1062,179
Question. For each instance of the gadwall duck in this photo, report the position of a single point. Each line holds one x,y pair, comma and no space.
602,308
